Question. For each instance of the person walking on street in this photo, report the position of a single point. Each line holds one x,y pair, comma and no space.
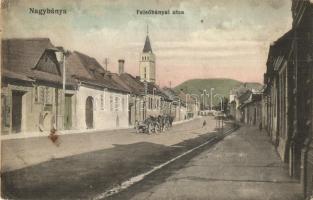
204,123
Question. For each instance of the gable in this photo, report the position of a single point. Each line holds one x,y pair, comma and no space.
48,63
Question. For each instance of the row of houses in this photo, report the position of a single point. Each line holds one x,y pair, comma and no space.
45,87
288,99
284,108
246,105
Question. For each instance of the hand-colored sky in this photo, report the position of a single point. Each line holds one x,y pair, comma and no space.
214,38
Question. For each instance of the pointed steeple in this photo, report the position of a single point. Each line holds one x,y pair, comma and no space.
147,48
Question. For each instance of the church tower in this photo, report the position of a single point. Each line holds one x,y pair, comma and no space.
147,62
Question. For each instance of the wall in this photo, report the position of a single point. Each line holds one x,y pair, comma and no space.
41,108
283,110
111,115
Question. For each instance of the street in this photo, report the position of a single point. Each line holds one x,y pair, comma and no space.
244,166
86,165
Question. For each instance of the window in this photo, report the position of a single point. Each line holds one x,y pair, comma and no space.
102,101
123,104
116,104
111,103
42,95
48,97
149,103
145,75
5,104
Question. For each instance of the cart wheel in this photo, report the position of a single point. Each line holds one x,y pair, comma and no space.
150,129
157,128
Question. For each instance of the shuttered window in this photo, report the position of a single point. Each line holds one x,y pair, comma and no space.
111,103
48,95
102,101
116,104
123,104
5,106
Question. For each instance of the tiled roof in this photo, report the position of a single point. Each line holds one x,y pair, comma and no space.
20,56
244,96
279,49
14,75
131,83
169,92
88,70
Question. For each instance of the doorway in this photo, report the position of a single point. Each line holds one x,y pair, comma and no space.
17,111
68,112
129,115
89,112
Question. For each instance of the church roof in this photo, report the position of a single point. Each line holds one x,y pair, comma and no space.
147,48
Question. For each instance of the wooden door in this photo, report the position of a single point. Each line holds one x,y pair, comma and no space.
130,107
89,112
17,111
68,112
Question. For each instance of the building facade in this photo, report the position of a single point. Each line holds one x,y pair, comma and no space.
287,97
101,103
32,93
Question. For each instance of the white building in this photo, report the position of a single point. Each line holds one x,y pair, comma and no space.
101,103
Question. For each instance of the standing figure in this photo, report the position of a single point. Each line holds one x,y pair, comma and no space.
204,123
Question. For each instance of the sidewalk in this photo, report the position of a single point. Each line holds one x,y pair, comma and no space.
24,152
73,131
244,166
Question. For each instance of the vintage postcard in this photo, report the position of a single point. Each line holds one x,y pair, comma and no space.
157,99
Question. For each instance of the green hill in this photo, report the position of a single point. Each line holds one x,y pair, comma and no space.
221,86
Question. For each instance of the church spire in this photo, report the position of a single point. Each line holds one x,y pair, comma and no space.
147,48
147,29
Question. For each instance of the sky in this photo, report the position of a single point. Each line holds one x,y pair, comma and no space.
212,39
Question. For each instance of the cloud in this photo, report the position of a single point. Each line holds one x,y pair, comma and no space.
234,35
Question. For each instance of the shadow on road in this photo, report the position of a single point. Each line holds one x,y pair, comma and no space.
86,175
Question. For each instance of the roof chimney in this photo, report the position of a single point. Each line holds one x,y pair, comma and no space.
121,66
109,74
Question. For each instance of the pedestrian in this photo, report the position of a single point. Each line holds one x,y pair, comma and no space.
204,123
54,137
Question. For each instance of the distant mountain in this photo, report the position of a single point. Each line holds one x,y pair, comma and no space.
221,86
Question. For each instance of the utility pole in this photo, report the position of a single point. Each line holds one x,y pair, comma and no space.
211,98
145,99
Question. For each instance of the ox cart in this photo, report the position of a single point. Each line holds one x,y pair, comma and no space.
154,124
